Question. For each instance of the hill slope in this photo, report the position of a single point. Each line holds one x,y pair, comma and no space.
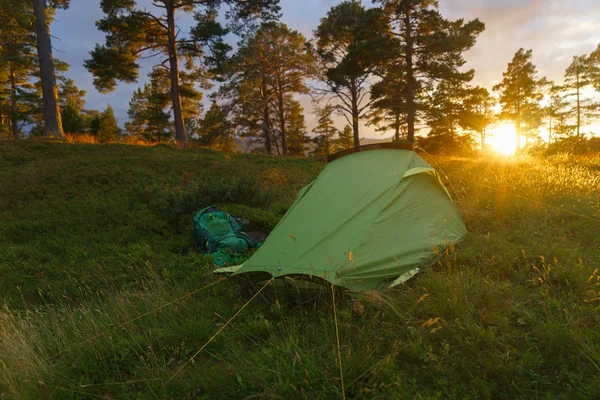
92,236
73,215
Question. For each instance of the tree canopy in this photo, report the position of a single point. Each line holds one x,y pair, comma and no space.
349,48
270,67
395,67
519,90
133,33
430,46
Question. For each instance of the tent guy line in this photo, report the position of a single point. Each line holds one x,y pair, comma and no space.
221,329
189,294
337,338
120,326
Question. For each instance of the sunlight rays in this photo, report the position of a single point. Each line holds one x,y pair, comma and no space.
503,139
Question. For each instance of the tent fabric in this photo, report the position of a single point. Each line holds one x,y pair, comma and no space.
369,219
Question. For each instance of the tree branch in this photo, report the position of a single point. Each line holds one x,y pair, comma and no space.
160,21
151,47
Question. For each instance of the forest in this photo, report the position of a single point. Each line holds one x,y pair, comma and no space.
233,82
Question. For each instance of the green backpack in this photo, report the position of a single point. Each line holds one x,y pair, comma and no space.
221,236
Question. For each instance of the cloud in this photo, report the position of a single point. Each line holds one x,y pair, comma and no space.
556,30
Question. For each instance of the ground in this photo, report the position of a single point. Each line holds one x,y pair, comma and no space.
92,236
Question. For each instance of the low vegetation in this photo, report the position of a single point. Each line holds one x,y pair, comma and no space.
92,236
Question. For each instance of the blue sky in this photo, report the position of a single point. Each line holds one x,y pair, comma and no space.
556,30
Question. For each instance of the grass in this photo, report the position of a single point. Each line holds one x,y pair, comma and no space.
94,235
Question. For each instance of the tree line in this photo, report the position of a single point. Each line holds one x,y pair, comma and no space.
396,65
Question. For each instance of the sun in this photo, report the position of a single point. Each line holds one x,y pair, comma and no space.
503,139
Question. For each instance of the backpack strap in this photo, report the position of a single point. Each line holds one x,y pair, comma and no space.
204,243
236,226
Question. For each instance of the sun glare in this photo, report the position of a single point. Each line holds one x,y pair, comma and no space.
503,139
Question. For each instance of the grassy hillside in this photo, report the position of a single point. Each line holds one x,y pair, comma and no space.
94,235
75,216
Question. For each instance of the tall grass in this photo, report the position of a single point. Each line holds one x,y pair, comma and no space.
513,312
86,138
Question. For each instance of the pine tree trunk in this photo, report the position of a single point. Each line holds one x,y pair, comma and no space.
397,127
410,95
277,151
52,121
180,135
578,108
355,114
267,129
518,133
284,149
518,128
14,108
266,118
355,130
483,138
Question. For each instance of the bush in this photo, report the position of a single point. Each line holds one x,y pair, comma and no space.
448,144
574,145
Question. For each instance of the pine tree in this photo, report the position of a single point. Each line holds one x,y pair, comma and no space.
291,64
533,119
456,112
47,64
325,132
105,126
431,46
578,77
70,93
388,111
349,48
478,112
19,55
269,68
593,65
247,98
345,139
150,108
557,111
191,99
30,81
445,114
519,90
296,129
75,119
133,32
149,115
216,130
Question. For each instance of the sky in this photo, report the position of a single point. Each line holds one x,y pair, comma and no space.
556,30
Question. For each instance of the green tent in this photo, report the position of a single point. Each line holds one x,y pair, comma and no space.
371,219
